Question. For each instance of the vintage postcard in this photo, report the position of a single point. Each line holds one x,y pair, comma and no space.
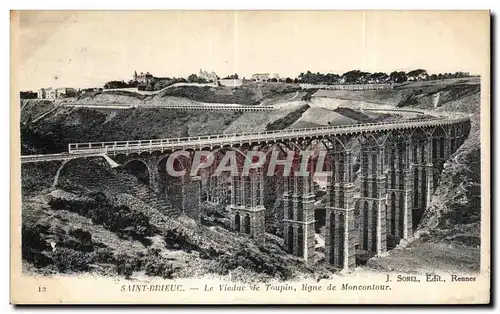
250,157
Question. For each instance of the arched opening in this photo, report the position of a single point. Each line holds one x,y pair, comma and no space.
393,213
290,239
300,241
374,188
365,161
403,160
332,194
332,238
138,169
374,165
423,202
300,212
416,196
341,199
393,177
401,217
237,222
320,219
366,225
374,227
341,238
402,155
365,188
247,223
290,213
435,149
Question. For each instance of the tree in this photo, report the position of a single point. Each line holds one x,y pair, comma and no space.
232,77
28,95
288,80
296,80
274,80
355,76
193,78
318,78
434,77
417,72
398,77
378,77
115,84
133,83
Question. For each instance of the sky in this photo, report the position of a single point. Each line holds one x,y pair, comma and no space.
88,48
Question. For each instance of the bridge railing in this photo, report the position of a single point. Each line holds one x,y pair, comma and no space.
234,107
240,137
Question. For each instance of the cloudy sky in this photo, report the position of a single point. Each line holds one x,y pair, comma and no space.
84,49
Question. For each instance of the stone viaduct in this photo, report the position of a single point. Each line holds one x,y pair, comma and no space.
380,178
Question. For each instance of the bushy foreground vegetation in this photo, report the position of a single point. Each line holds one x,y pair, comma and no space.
53,245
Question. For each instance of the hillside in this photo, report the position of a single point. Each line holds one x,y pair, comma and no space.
79,226
322,117
251,94
64,125
47,128
113,224
414,94
451,225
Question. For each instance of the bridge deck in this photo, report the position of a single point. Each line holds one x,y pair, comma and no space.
76,150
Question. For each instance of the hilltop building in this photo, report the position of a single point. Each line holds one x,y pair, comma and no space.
210,77
264,77
260,77
65,92
419,77
54,93
42,92
143,78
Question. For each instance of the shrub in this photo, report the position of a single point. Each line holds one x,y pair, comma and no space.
81,235
119,219
67,260
287,120
104,255
33,245
408,100
156,265
126,265
256,261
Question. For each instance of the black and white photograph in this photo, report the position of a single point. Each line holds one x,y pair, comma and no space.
251,156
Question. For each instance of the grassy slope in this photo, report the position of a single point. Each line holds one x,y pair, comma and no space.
321,117
64,125
258,121
251,94
421,91
113,233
